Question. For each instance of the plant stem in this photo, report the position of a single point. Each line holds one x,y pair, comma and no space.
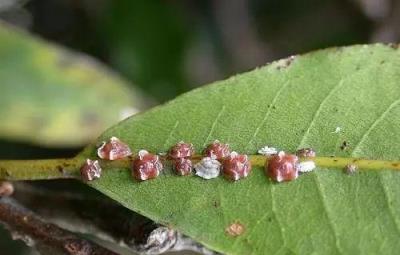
69,168
46,237
40,169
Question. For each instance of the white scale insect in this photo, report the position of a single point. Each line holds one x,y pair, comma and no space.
267,151
306,166
337,130
208,168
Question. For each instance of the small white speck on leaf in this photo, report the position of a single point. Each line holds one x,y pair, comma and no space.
337,130
267,151
208,168
306,166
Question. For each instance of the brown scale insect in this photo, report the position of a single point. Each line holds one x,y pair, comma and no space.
306,153
180,154
113,150
181,150
183,166
90,170
282,167
351,169
146,166
236,166
217,150
235,229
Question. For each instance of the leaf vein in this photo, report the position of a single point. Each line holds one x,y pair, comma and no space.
274,100
389,206
325,207
214,124
274,211
165,145
381,117
318,111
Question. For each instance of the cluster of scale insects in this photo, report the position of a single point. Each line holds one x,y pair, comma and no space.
217,158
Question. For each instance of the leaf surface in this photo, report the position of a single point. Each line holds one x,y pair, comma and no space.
51,96
320,100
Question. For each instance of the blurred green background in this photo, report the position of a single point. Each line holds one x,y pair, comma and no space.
168,47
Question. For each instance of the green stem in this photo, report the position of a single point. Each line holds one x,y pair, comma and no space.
40,169
69,168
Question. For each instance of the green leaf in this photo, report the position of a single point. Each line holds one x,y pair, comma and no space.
51,96
289,104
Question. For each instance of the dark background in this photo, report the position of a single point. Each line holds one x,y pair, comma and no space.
167,47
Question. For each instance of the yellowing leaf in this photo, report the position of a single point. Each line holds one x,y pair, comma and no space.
51,96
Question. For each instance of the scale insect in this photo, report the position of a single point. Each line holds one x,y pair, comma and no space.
282,167
113,149
90,170
181,150
217,150
208,168
267,151
183,166
236,166
235,229
146,166
306,166
350,169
